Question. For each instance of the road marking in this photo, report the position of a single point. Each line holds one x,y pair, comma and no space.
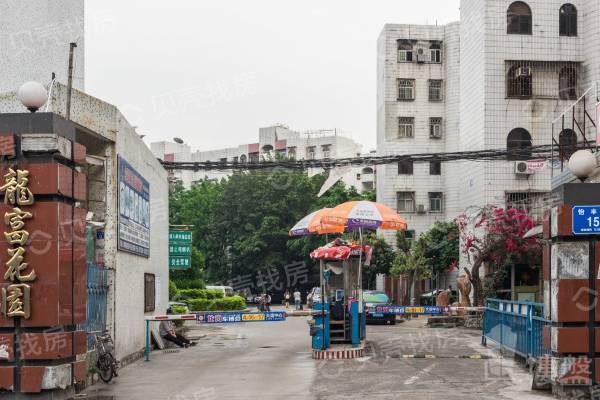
415,378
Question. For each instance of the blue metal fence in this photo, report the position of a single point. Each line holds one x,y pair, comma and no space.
97,293
516,326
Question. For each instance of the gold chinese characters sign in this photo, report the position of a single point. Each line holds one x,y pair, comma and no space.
16,299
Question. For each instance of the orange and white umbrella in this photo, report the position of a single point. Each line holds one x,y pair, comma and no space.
368,215
313,223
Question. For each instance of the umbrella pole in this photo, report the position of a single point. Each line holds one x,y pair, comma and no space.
360,292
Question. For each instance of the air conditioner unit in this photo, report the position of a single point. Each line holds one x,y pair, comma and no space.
422,55
523,72
522,168
421,209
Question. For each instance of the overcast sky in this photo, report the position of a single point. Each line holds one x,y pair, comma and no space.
213,71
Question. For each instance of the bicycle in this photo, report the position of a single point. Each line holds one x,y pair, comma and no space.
107,364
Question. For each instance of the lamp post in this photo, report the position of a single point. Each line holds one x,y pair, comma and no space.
32,95
582,164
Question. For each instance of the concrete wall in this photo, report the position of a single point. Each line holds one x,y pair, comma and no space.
34,41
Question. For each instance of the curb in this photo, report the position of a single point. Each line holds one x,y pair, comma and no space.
338,354
433,356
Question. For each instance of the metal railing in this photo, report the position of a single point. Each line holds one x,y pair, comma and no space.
516,326
97,292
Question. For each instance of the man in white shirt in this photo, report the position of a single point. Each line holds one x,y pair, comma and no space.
297,299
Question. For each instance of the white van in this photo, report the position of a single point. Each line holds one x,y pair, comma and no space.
227,290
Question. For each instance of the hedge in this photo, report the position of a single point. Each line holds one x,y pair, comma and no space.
189,294
234,303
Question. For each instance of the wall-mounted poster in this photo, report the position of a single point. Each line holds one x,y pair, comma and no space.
134,211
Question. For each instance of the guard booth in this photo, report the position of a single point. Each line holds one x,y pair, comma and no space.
338,316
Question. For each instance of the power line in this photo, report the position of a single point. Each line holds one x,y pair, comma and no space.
542,152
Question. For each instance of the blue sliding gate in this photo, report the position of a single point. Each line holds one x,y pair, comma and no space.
516,326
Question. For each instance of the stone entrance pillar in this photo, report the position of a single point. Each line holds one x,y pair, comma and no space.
570,273
43,295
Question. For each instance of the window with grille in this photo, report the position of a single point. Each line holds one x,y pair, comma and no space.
519,81
406,201
236,159
436,200
292,152
436,53
310,152
567,82
326,149
406,89
405,167
568,20
406,127
405,51
435,128
518,144
519,19
435,90
567,144
149,292
435,168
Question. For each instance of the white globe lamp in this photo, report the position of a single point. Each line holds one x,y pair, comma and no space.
582,164
32,95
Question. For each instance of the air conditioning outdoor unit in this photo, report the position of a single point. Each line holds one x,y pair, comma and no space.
522,168
422,55
523,72
421,209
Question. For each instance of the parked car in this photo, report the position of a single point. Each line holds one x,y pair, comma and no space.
372,299
227,290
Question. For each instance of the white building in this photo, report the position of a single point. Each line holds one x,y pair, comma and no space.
272,141
495,80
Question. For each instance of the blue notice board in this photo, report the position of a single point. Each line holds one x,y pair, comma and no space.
586,220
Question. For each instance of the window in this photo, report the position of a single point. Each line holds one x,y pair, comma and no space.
292,152
368,171
409,235
519,19
405,51
518,144
223,160
567,82
149,293
435,128
235,159
243,158
567,144
435,168
406,127
435,90
254,157
406,89
326,149
358,177
568,20
405,167
436,52
310,152
435,201
519,81
406,201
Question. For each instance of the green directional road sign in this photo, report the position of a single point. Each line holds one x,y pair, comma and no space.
180,249
180,236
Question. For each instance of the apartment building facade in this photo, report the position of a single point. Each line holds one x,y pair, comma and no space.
273,141
495,80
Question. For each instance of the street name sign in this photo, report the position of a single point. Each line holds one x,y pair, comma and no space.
586,220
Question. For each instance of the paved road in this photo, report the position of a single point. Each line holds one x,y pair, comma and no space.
272,361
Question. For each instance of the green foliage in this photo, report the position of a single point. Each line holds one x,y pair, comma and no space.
192,278
381,260
440,246
178,309
234,303
241,224
172,290
411,263
187,294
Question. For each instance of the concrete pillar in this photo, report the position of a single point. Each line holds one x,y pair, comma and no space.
42,352
570,274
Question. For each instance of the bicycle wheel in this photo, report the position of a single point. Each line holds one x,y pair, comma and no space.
105,366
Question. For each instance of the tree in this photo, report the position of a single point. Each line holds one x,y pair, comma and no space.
382,260
410,262
440,247
494,236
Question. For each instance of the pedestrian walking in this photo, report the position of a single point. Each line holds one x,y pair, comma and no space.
268,302
286,298
297,299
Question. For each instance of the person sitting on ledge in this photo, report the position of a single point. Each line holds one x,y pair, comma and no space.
168,332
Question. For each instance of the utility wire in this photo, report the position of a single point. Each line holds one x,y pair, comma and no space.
542,152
